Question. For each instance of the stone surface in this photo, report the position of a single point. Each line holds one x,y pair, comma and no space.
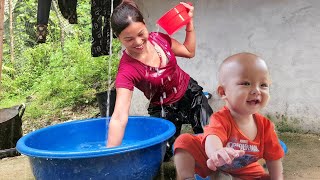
285,33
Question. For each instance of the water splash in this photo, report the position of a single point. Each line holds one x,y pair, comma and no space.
161,100
157,70
157,28
109,77
175,90
107,126
163,113
164,95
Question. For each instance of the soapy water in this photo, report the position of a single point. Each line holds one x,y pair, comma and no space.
89,146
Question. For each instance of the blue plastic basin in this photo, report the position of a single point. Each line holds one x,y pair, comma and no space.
76,149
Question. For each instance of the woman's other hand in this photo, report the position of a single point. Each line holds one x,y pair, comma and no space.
190,7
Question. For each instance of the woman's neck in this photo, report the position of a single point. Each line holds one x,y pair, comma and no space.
142,55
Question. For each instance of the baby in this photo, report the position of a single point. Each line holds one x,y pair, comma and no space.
237,135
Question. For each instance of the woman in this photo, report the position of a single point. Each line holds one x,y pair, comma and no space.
149,64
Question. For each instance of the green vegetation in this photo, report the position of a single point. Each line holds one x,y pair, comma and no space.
57,74
282,123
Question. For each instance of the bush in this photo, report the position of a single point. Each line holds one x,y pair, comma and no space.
59,78
47,76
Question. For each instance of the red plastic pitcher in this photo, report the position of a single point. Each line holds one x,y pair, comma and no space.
174,19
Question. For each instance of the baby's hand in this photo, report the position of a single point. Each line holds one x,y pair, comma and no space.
190,7
223,156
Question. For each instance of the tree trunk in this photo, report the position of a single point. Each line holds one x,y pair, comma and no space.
11,32
1,34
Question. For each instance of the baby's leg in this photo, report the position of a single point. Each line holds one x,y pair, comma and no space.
185,164
190,157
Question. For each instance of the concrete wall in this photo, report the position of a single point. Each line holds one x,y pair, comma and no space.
286,33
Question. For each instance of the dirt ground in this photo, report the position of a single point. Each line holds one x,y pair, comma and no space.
303,158
302,162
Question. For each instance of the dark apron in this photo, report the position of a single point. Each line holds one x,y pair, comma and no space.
193,108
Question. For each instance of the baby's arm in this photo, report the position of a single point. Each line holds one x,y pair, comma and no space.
219,155
275,169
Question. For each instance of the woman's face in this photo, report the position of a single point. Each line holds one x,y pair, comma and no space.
134,37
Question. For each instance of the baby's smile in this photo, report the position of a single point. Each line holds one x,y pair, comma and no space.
254,102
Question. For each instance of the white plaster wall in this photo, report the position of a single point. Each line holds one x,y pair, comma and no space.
286,33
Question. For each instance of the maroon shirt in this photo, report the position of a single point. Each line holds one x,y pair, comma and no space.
167,84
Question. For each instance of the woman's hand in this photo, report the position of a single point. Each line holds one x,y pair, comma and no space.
119,119
190,7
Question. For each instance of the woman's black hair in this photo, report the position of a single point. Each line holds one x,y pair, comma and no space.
123,15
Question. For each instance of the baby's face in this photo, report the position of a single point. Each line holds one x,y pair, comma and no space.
246,86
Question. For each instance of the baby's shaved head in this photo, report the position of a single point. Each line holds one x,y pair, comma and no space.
239,62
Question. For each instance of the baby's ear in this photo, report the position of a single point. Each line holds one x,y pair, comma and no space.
221,92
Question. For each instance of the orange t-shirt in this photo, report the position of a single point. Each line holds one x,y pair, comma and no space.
265,145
